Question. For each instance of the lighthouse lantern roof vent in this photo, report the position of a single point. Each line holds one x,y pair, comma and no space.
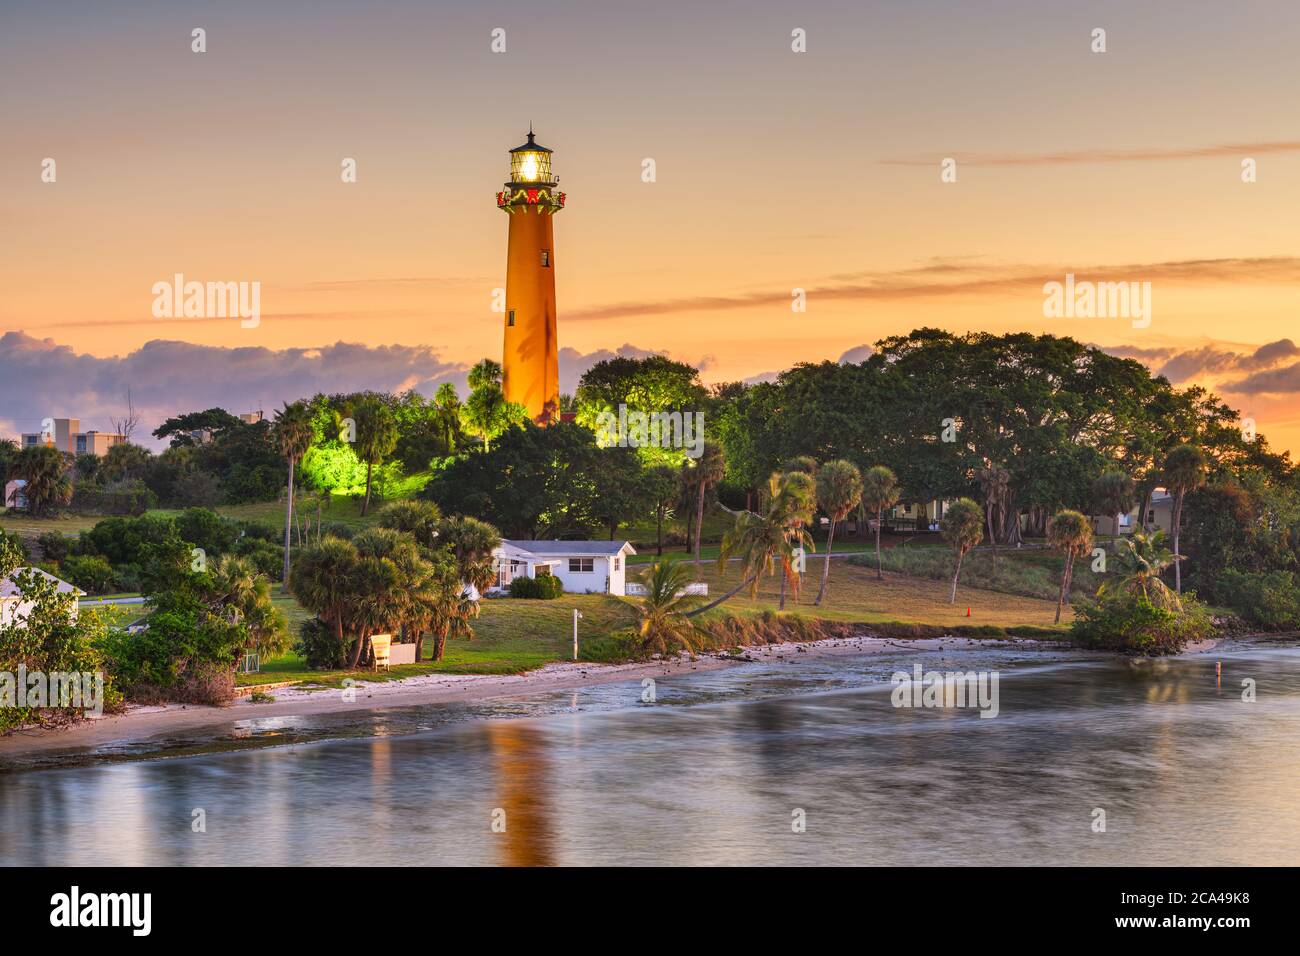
531,147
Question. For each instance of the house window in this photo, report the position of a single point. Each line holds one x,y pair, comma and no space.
585,565
511,320
546,258
617,559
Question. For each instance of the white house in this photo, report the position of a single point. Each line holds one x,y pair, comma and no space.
12,606
584,567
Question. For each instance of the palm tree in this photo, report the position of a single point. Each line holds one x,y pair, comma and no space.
1069,532
1140,560
839,490
1184,471
879,491
961,527
664,628
800,492
322,582
487,413
238,590
703,473
1113,493
471,542
994,482
446,417
417,517
293,433
758,541
376,438
46,471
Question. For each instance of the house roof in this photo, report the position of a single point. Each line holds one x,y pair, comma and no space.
563,549
9,589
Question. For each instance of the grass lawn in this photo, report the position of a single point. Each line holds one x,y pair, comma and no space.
854,594
516,635
512,635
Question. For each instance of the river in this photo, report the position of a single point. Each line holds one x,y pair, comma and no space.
721,769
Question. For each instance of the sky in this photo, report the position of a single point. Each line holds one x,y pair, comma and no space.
774,170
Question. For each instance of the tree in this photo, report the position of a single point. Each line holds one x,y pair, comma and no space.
471,543
292,433
1113,493
800,491
839,491
663,627
617,473
422,520
879,491
1184,471
376,438
322,582
651,385
961,527
446,417
487,413
243,595
994,481
1140,559
761,542
659,485
179,429
534,482
130,420
46,471
1070,532
703,473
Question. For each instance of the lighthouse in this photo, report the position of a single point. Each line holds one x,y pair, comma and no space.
530,360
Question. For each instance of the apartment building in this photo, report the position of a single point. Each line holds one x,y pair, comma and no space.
66,435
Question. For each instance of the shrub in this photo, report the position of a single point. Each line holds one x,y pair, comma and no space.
126,577
90,572
13,540
544,587
320,646
206,529
55,545
1120,623
266,557
129,497
1267,599
180,656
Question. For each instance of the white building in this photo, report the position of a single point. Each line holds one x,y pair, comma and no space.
584,567
12,606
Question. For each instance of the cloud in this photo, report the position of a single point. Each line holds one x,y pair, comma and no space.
39,378
1181,364
1278,381
952,278
1238,150
856,355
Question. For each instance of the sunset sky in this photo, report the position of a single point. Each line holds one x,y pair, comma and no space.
775,170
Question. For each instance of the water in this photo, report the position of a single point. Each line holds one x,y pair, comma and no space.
1186,772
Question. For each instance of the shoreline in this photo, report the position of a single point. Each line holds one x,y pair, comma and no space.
140,723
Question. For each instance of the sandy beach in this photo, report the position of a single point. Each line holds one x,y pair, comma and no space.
142,723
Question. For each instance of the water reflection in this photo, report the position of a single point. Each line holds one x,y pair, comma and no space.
523,788
1186,771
